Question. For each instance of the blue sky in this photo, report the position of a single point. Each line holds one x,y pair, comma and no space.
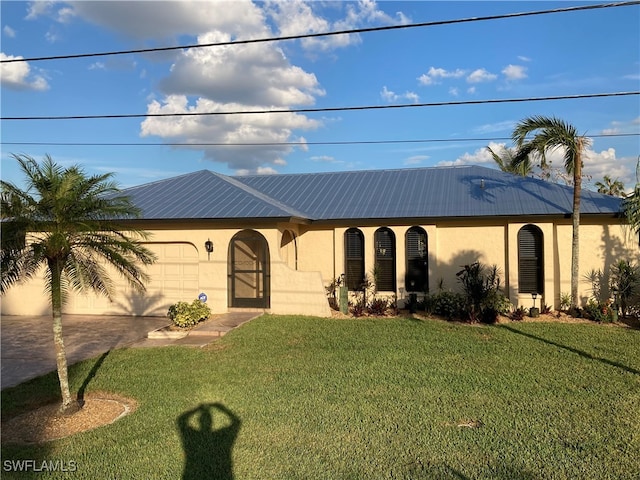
586,52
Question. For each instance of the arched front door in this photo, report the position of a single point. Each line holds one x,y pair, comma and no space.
248,270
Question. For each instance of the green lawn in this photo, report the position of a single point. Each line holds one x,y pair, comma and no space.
380,398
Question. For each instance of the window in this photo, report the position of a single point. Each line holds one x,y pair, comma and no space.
385,266
530,260
354,258
289,249
416,279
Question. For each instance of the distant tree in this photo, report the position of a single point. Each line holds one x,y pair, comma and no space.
614,188
505,161
538,135
68,222
631,204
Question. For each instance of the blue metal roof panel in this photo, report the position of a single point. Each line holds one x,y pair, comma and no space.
464,191
204,195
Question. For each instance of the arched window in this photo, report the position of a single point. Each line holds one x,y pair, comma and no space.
354,258
530,260
385,266
416,279
289,249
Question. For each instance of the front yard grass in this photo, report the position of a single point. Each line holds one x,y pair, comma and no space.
361,399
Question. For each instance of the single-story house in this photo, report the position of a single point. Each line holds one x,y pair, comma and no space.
273,242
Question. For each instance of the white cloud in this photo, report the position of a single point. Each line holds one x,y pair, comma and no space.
18,76
471,90
605,162
37,9
97,66
416,159
240,130
238,78
515,72
495,127
266,171
481,156
522,58
596,164
324,159
454,91
296,17
481,75
8,31
390,96
257,74
435,74
151,20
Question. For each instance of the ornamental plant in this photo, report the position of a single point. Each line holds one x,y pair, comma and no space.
184,314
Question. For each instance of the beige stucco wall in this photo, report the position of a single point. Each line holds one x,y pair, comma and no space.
454,243
301,268
292,291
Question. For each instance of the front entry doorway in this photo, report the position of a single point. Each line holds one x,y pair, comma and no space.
248,270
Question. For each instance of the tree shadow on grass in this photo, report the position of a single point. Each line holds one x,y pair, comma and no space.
582,353
208,444
90,376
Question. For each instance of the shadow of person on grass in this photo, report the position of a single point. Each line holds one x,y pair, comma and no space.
207,446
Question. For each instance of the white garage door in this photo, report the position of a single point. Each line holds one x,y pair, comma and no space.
174,277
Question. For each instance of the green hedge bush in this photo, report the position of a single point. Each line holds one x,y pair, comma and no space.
184,314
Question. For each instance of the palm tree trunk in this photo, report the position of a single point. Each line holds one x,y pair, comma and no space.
61,354
575,238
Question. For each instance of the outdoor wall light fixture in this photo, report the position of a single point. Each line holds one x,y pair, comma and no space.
208,246
534,296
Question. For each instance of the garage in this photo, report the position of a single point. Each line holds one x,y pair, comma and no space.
174,277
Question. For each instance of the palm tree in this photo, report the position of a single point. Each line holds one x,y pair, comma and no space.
68,222
614,188
538,135
631,204
505,161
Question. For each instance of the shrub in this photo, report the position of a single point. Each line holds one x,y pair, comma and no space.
565,301
518,314
598,311
546,309
483,299
378,306
184,314
358,309
446,304
332,290
625,285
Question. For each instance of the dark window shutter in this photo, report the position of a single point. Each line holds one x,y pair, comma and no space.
354,259
385,245
416,279
530,260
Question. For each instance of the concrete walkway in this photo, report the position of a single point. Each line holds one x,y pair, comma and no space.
27,349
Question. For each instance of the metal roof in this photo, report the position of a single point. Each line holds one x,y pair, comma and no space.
205,195
436,192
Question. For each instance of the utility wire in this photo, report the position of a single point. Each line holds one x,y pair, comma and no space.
326,34
327,109
288,144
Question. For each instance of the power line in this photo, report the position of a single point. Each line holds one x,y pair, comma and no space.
327,109
326,34
290,144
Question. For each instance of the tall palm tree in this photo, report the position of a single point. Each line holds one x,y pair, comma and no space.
69,223
538,135
505,161
614,188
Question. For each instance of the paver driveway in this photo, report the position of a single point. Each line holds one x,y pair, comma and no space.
27,342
